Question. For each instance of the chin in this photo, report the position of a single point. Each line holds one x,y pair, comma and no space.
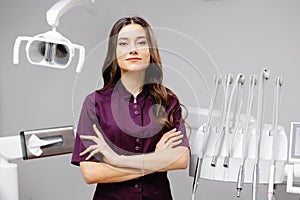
135,67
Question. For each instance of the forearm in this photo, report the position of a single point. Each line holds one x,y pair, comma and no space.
94,172
165,160
131,167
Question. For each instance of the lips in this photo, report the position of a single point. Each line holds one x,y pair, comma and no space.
133,59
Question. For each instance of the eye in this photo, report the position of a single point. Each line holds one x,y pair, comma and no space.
123,43
141,43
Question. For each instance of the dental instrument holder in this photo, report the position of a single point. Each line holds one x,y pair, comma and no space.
230,174
11,149
51,40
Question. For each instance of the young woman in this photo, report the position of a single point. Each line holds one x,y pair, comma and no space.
131,132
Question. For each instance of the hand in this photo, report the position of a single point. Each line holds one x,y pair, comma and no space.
170,139
101,146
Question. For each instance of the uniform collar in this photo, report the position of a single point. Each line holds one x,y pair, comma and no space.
122,92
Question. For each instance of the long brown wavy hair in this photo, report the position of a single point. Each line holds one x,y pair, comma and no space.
153,77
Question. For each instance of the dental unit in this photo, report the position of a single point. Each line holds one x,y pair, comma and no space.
52,49
253,152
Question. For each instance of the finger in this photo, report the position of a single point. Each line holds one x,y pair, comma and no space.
174,144
167,134
174,139
178,137
99,134
84,152
173,135
87,137
90,137
169,142
92,154
90,148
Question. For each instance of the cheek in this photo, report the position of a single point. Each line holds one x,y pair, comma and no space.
121,52
146,55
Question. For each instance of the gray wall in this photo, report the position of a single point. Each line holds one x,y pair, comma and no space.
240,36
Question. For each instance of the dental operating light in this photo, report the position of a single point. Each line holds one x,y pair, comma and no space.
52,49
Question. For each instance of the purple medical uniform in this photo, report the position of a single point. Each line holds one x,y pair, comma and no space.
129,127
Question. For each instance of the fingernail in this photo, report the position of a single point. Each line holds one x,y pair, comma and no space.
179,132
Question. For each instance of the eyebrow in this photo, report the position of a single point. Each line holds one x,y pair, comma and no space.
125,38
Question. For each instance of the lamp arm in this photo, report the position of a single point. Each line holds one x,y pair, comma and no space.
62,6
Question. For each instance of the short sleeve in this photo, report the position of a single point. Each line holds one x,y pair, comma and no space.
178,121
87,118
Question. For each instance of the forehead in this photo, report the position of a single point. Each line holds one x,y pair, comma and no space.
132,31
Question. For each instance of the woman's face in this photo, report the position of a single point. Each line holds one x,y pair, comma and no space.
132,48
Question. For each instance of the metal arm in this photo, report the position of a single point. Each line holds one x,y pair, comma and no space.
63,6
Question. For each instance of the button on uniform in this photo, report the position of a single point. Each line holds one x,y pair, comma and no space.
137,139
136,112
136,186
137,148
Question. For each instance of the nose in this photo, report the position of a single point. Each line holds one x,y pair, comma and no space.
133,50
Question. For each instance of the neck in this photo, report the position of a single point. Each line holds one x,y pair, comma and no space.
133,81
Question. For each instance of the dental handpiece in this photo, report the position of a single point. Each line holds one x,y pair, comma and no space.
271,182
255,182
240,181
197,176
